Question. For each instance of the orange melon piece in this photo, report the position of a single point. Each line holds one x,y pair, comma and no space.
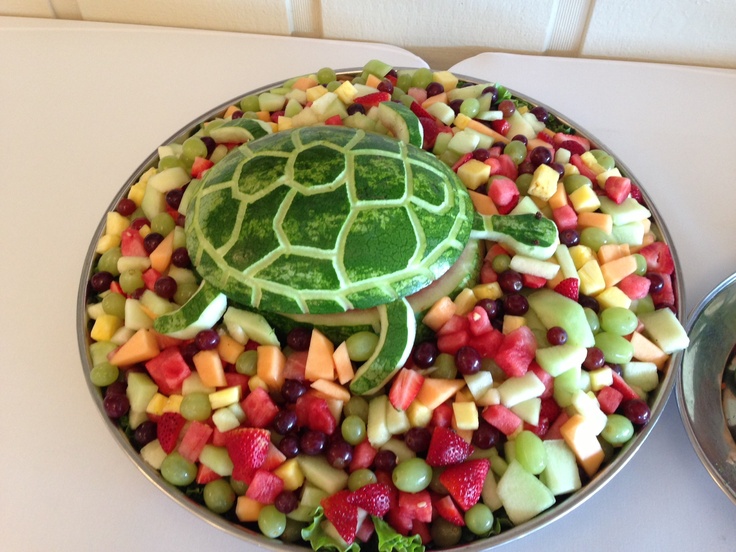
270,366
248,509
559,198
229,349
209,367
435,391
331,390
611,251
320,363
583,442
304,83
439,313
264,116
647,351
373,81
592,219
482,203
442,97
343,365
483,129
161,256
140,347
616,270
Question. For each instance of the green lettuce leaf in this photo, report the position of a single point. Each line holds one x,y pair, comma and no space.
315,534
391,541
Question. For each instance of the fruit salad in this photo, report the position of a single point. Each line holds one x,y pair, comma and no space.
415,412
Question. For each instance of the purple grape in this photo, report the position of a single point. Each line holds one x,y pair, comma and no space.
540,155
286,502
312,442
417,439
292,389
486,436
299,338
520,138
594,359
637,411
284,421
570,237
481,154
385,460
515,304
507,107
237,114
493,91
188,350
139,223
152,241
289,446
210,143
656,282
339,454
526,167
116,405
510,281
126,207
101,281
116,388
556,335
165,287
491,306
144,433
589,302
386,86
173,198
455,105
540,113
180,257
434,88
425,354
467,360
356,108
207,339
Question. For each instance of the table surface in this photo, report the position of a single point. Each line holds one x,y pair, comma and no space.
83,104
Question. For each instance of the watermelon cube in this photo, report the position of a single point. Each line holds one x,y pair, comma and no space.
169,370
264,487
259,408
516,352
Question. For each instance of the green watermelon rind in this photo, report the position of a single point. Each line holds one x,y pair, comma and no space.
201,311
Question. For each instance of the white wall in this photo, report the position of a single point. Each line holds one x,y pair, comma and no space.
696,32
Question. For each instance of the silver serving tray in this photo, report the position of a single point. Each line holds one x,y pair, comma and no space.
657,403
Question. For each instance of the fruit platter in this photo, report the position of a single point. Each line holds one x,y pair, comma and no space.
384,308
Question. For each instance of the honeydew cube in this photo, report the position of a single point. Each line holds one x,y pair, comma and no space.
565,385
397,421
600,378
522,494
99,351
558,359
225,419
561,474
644,375
105,327
346,92
479,383
519,389
591,278
581,254
465,415
95,311
490,397
443,113
628,211
534,267
364,89
562,156
225,397
663,328
153,455
156,304
193,383
122,336
464,142
182,275
298,95
169,150
291,474
399,448
377,428
544,182
268,101
418,414
217,459
526,206
169,179
584,199
446,79
321,105
613,297
528,410
579,436
306,117
474,173
321,474
588,407
565,261
631,233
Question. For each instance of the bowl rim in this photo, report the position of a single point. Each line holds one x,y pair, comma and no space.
237,530
701,406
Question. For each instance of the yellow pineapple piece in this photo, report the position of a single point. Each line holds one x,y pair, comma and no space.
461,121
418,414
544,182
584,199
285,123
474,173
316,92
465,415
581,254
107,242
465,301
116,223
488,291
591,162
511,323
591,278
446,79
291,474
613,297
156,405
105,327
346,92
225,397
173,403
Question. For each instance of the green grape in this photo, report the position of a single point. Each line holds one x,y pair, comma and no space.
361,345
470,107
247,363
163,223
250,103
479,519
530,452
574,181
361,478
326,75
523,182
219,496
594,237
516,150
641,264
645,304
353,429
193,147
177,470
616,349
604,159
293,531
358,80
108,261
104,374
403,81
357,406
131,280
114,303
240,487
271,522
618,430
184,291
618,320
196,406
169,162
593,321
421,78
412,475
407,100
444,367
436,485
501,263
333,85
445,534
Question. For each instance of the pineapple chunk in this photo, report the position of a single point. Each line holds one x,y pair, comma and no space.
591,278
613,297
106,242
446,79
156,404
346,92
584,199
465,415
225,397
474,174
465,301
581,254
315,92
544,182
116,223
105,327
488,291
291,474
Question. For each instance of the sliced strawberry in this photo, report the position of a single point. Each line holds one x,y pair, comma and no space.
248,448
264,487
447,448
342,514
636,193
168,429
374,498
405,388
502,126
447,510
200,166
372,100
569,287
572,143
419,111
460,162
465,481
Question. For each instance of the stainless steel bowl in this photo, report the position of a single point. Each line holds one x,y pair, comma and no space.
712,331
658,398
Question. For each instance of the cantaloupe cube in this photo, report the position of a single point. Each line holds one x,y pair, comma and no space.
343,365
559,198
305,83
601,221
229,349
161,256
439,313
583,442
209,367
140,347
482,203
320,363
270,366
440,98
611,251
248,509
435,391
329,389
646,351
616,270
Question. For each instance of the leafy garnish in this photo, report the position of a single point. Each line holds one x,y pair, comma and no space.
315,534
391,541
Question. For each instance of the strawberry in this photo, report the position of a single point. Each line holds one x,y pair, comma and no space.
200,166
419,111
447,510
168,429
636,193
342,514
569,287
447,448
248,448
659,257
405,388
374,498
465,481
205,474
373,99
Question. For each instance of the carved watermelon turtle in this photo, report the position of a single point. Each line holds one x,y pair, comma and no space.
321,220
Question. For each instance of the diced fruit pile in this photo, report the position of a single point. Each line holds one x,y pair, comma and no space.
530,381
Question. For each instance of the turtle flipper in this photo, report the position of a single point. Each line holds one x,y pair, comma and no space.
396,339
527,234
202,311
